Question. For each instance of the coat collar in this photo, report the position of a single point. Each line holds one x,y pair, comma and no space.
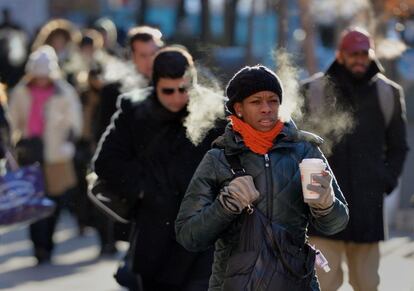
336,70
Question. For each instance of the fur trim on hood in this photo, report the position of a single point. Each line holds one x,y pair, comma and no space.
53,25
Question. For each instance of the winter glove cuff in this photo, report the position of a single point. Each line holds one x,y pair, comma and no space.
318,212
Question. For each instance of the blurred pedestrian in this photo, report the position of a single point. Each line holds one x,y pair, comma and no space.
46,118
146,155
64,37
107,28
13,50
86,213
368,159
143,43
91,51
89,85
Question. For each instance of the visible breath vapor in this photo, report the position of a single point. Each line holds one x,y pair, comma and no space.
289,75
330,122
205,107
116,70
324,116
328,12
389,48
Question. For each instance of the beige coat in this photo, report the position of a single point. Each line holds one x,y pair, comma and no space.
63,119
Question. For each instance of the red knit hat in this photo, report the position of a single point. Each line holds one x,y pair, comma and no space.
355,39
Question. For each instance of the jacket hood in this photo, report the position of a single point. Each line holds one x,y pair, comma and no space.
43,37
43,63
233,143
62,87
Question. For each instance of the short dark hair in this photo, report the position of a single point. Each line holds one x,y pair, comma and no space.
86,41
172,63
145,34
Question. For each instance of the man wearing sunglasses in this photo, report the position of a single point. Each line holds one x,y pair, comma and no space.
147,156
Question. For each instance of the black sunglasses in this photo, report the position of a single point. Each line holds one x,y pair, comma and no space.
170,91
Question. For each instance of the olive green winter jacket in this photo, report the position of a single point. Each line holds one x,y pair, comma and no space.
203,222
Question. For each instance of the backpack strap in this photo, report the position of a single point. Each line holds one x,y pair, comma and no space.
237,170
385,98
235,165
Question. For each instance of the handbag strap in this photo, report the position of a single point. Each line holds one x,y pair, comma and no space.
238,170
14,166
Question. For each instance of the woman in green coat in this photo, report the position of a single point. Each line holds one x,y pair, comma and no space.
269,151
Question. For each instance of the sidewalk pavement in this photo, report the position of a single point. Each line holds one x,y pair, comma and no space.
76,266
396,265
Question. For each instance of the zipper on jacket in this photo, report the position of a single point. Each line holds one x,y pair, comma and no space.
267,160
269,183
268,187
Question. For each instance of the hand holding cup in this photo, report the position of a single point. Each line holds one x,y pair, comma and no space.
323,186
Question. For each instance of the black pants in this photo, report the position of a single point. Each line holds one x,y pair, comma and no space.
80,205
196,280
41,232
104,226
85,212
193,285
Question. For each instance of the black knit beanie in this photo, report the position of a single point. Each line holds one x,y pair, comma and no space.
172,63
250,80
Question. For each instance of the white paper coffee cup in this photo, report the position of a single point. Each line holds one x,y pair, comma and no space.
308,169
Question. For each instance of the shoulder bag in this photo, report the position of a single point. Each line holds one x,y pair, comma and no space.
22,196
112,204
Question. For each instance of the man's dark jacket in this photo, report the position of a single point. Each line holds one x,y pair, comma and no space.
107,107
368,160
145,152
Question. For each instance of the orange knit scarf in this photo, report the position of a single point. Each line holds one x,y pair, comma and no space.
257,141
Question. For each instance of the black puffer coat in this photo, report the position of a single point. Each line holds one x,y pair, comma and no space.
202,221
145,152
